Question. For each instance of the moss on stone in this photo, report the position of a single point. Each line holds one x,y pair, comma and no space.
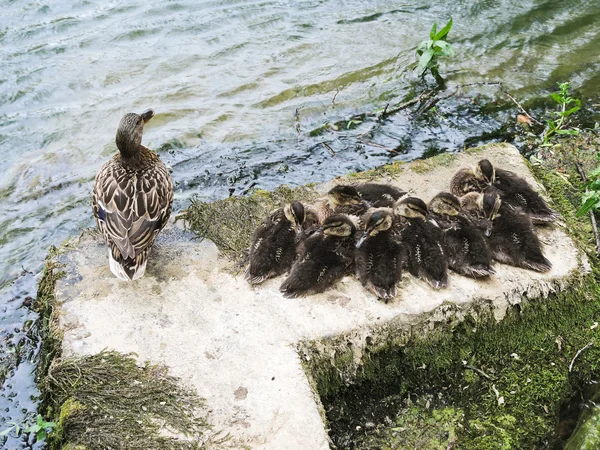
230,223
508,378
45,306
429,164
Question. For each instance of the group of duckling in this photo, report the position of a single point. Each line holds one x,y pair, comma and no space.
378,231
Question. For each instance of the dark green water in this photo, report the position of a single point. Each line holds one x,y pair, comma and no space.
237,88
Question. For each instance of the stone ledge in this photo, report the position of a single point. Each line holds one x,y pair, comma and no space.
236,345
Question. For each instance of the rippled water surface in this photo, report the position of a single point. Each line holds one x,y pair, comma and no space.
239,85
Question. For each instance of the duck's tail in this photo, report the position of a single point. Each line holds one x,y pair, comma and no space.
128,269
544,217
384,293
479,271
538,263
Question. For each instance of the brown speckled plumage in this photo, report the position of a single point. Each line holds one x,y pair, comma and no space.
132,200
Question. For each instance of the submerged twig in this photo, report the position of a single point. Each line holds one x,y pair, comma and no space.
247,189
375,144
519,106
592,215
435,101
328,147
388,112
577,354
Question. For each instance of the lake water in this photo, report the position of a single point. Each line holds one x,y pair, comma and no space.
237,87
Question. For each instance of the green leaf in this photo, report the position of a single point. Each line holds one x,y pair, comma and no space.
587,206
5,432
557,98
568,112
425,60
41,435
433,31
443,32
32,428
569,131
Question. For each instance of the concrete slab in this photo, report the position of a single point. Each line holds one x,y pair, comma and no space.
236,344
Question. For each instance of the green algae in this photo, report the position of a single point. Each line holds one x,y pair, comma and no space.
109,400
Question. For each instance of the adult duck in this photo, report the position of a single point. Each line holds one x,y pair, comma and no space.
132,199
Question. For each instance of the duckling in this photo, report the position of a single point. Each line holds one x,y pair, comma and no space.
514,191
466,180
511,234
273,247
132,199
466,248
341,199
379,195
326,256
421,242
378,255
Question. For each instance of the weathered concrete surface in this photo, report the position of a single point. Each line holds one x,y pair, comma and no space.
235,344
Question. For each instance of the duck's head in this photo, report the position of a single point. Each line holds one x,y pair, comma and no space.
344,195
485,171
411,207
338,225
445,204
380,220
483,205
129,133
294,212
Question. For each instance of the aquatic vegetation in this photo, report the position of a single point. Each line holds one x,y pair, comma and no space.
567,106
430,50
40,428
591,198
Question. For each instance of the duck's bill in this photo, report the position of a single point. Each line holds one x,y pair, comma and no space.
488,224
362,239
147,115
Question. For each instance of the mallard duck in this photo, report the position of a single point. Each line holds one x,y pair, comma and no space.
273,247
132,199
465,246
512,237
421,241
379,195
377,256
466,180
341,199
325,257
513,190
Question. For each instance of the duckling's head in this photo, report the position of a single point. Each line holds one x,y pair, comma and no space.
380,220
294,212
344,195
490,203
129,133
484,205
485,171
472,203
445,204
411,207
338,225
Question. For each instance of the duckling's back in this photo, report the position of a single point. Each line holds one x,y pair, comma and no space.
273,248
323,261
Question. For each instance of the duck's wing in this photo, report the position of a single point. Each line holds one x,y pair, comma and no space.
131,206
